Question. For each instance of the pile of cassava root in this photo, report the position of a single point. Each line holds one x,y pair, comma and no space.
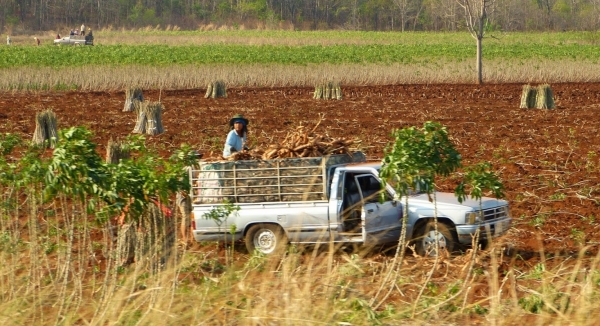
301,142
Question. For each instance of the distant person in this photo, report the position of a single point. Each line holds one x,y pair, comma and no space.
237,137
58,36
37,40
82,30
89,38
76,32
72,33
8,40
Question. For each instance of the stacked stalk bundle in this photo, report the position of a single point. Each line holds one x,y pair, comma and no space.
39,135
328,91
51,127
154,238
45,129
544,98
149,119
528,97
147,241
133,98
153,113
216,89
142,120
116,151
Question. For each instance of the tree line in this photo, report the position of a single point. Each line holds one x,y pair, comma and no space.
379,15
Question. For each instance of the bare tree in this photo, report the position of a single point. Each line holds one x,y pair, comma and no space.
476,13
403,7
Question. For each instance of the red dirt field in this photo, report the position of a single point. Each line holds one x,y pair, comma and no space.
547,159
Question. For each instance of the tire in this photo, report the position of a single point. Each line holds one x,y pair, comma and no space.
425,239
266,238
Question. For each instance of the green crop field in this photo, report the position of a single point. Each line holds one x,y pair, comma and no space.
119,55
261,58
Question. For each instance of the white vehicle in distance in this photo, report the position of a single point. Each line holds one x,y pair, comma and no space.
75,40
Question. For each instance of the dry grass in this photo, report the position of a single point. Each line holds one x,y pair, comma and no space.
213,285
197,77
62,267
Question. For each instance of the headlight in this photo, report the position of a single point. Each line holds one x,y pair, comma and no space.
471,217
506,211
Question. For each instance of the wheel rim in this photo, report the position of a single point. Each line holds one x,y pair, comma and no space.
429,240
265,241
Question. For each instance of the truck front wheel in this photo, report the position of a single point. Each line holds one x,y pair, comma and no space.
426,238
266,239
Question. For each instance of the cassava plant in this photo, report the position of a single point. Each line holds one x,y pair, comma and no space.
411,164
78,171
219,215
478,179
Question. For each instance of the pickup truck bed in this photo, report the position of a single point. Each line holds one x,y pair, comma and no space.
282,180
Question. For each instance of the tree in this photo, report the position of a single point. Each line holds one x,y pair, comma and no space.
476,15
411,164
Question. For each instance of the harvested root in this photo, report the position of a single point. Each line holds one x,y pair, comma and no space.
304,142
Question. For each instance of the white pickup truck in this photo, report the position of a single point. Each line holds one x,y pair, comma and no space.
75,40
329,199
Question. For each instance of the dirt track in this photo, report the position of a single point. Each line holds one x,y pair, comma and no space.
548,159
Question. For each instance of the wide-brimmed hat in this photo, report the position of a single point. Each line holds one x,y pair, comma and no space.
238,117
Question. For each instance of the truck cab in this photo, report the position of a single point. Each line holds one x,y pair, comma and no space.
363,209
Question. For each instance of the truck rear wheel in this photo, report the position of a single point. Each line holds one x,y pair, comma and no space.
266,239
426,238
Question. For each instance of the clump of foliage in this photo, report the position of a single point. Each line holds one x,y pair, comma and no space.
77,170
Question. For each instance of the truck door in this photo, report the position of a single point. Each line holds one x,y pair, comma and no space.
380,220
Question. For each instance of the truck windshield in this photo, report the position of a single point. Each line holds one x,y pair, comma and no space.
412,192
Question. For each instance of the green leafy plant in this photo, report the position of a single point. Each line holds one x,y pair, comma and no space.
479,178
411,163
220,213
536,273
77,170
538,220
558,196
578,236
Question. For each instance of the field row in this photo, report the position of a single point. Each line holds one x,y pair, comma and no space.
164,55
101,78
297,38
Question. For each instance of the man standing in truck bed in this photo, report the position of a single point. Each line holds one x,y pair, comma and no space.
237,137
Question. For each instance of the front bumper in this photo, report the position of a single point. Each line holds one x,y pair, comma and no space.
493,228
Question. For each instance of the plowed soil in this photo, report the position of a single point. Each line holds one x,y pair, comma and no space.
547,159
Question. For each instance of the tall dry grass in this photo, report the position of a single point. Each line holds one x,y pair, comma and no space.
62,267
191,77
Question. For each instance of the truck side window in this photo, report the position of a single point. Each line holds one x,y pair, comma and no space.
371,188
